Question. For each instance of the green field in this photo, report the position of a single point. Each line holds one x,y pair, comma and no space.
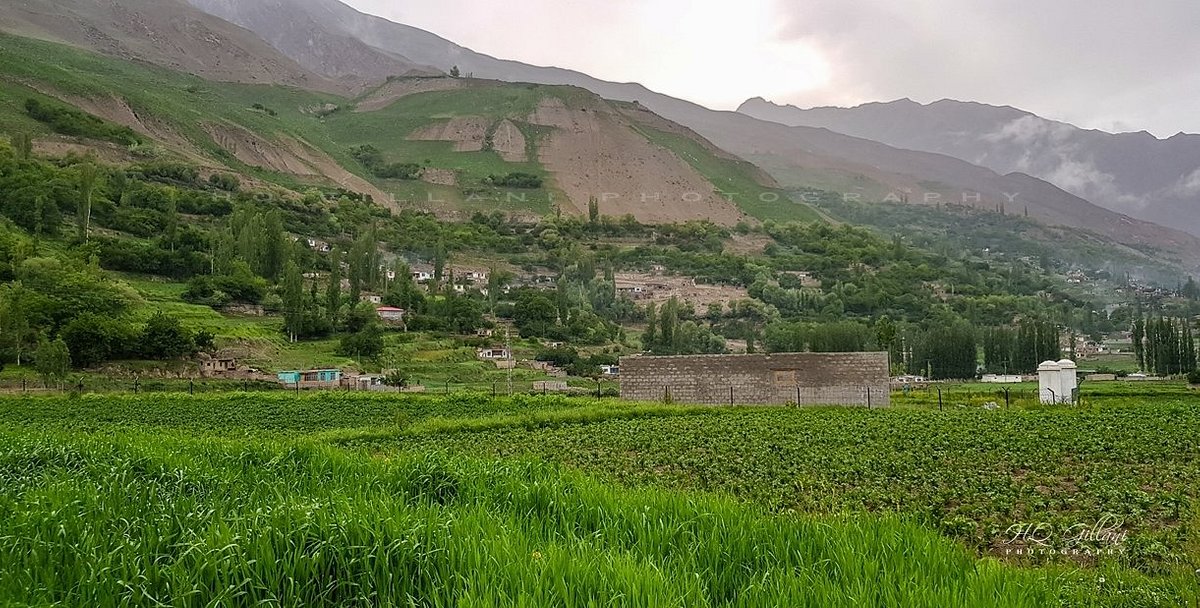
344,500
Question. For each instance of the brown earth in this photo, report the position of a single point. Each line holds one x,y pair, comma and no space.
170,33
509,142
399,88
594,153
439,177
467,132
659,288
291,156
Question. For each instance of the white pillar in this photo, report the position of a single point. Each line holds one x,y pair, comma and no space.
1069,379
1048,379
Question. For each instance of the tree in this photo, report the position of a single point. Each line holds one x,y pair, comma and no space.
89,175
53,361
536,314
1139,341
93,339
164,338
593,211
293,300
455,72
333,291
274,246
23,145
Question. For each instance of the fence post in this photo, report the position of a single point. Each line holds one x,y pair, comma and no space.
599,389
24,385
939,398
868,397
136,382
191,386
730,395
81,386
1007,398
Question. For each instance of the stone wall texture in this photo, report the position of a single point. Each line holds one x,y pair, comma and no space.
861,379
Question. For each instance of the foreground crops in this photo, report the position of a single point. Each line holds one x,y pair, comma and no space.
244,500
971,474
103,522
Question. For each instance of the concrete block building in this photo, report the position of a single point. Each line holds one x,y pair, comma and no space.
860,379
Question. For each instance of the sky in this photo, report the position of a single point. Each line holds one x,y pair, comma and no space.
1106,64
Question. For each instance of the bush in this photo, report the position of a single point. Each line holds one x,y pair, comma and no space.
69,121
229,183
93,339
516,180
367,343
372,159
165,338
1194,377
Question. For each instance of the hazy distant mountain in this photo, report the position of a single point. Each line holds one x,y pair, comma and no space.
164,32
1134,173
310,33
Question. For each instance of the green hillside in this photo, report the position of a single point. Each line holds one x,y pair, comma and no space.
185,115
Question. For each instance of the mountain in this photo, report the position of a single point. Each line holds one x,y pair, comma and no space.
1133,173
452,146
799,157
307,32
170,33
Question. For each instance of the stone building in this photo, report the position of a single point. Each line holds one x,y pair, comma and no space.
780,379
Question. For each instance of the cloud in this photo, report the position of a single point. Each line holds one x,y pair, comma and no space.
1095,63
1049,150
1090,62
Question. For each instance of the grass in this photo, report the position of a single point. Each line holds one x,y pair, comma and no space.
303,500
195,523
971,474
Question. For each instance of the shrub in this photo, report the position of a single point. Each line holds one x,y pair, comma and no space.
69,121
516,179
372,159
93,339
1194,377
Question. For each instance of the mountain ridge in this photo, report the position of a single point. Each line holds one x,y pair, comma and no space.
1136,173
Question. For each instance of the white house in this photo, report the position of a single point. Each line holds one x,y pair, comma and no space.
494,353
372,298
1001,379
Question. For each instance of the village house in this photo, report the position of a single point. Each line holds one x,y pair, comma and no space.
216,366
372,298
610,371
494,353
634,291
390,314
422,275
366,382
311,379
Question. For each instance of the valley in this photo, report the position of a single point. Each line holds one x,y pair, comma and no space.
303,307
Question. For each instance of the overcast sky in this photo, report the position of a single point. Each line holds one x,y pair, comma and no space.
1107,64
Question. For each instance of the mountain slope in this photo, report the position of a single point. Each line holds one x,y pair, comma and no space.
306,37
170,33
451,146
797,157
1134,173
